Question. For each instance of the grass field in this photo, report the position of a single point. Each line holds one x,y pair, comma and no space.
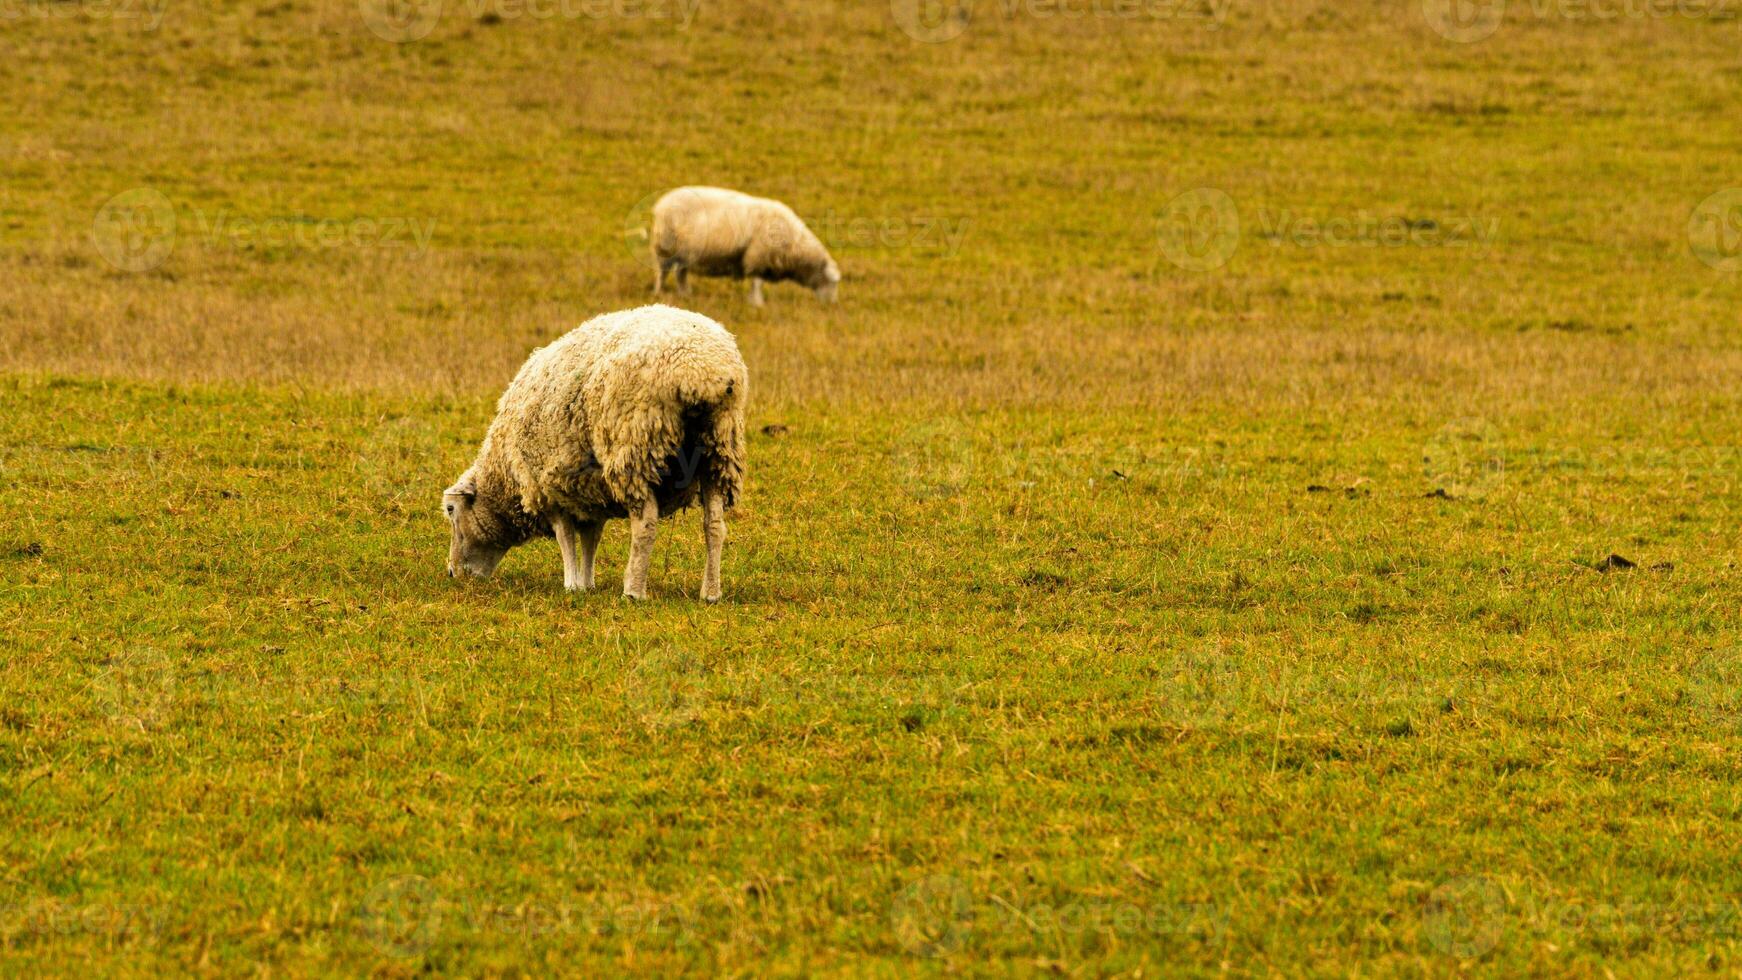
1185,549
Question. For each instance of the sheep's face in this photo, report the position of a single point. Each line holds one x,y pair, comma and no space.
826,284
470,551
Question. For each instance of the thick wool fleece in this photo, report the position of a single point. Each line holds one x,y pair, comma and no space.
643,403
712,231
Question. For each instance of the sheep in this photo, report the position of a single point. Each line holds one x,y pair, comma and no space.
716,232
634,414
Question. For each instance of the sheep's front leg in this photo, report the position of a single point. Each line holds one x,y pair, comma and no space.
589,532
659,268
714,533
755,291
683,280
643,522
565,540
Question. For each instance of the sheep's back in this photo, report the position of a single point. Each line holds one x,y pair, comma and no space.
597,415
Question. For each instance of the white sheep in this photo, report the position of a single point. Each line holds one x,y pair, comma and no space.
712,231
632,414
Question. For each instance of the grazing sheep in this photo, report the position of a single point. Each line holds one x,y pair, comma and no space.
633,414
716,232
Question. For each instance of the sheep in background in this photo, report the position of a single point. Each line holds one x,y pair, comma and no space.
716,232
632,414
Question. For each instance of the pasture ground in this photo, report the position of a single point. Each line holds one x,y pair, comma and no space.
1128,582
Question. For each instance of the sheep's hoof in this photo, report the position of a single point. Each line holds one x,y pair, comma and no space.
641,597
711,599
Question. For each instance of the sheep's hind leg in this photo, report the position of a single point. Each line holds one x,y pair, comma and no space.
589,532
755,291
643,523
714,533
683,280
565,540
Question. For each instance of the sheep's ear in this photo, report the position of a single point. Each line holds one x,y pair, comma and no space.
465,487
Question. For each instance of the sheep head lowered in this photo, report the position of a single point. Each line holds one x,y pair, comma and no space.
825,283
481,536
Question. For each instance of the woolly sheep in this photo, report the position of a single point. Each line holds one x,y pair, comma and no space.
716,232
632,414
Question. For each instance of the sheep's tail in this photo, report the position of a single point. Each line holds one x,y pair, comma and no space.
670,421
713,435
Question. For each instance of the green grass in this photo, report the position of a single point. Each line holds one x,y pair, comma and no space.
1085,614
1117,692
